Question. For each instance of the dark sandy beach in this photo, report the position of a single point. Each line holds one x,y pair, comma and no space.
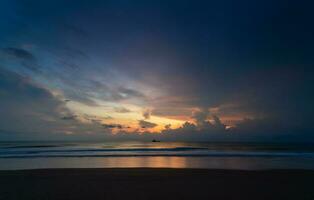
156,184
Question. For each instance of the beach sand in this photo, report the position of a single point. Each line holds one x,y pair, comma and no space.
159,184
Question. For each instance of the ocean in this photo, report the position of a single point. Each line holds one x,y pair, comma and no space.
243,156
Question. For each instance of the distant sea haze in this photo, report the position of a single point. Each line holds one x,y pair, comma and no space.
32,155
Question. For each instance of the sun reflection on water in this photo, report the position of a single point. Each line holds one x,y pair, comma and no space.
151,162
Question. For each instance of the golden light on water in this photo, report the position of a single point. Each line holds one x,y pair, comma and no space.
150,162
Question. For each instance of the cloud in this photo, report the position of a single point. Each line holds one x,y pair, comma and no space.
168,126
200,116
88,91
217,123
146,124
26,106
122,93
26,58
111,126
69,117
19,53
188,126
68,64
30,111
94,117
146,113
173,112
121,110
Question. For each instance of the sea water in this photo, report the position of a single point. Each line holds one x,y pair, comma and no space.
245,156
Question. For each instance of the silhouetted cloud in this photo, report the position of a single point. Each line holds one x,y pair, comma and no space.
168,126
110,126
217,123
146,113
69,117
95,119
146,124
200,116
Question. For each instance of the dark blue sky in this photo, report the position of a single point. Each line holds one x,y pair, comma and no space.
201,70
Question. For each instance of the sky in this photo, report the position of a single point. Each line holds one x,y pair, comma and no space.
171,70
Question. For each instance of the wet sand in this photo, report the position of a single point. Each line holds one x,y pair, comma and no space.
159,184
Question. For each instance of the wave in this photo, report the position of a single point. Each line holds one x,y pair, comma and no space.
110,150
163,154
36,150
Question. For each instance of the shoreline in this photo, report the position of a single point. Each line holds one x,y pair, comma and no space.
124,169
156,183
